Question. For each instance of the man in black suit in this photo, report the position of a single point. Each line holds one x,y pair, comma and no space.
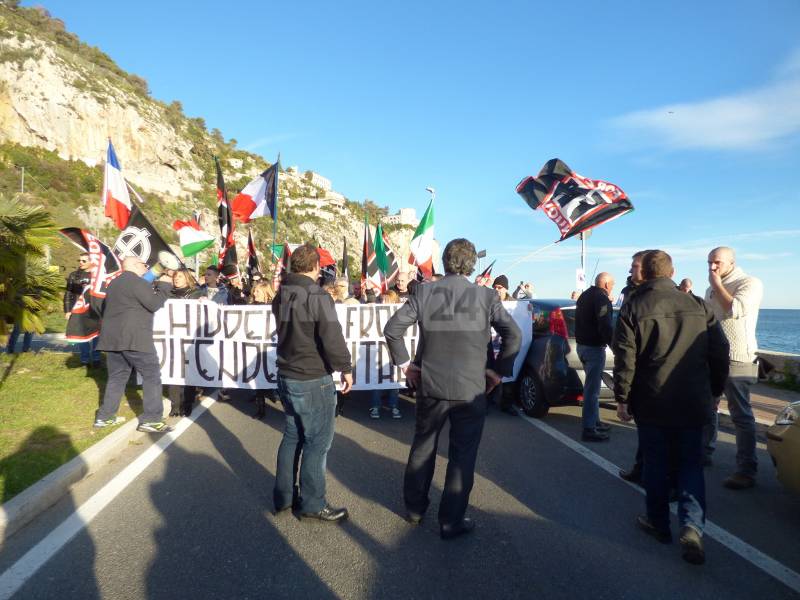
126,336
451,375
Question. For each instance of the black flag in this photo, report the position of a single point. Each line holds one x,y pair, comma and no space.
252,258
573,202
228,262
141,239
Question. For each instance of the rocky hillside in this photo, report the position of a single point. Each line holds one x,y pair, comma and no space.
60,100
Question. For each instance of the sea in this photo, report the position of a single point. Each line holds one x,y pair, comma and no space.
779,329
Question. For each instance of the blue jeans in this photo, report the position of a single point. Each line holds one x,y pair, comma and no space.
665,449
310,408
27,337
594,361
88,352
392,397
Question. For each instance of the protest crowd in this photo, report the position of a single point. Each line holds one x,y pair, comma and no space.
675,353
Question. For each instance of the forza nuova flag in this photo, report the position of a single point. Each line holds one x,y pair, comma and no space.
84,319
116,200
191,238
257,198
227,252
421,246
573,202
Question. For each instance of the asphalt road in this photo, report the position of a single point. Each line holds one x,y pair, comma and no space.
551,523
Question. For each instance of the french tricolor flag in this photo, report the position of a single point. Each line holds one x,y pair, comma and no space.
115,191
258,197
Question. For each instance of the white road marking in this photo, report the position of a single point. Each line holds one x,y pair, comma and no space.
749,553
22,570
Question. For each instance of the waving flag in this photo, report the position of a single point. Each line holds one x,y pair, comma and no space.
142,240
387,264
191,238
345,261
252,257
371,276
116,200
258,197
283,265
485,278
573,202
84,320
421,247
227,252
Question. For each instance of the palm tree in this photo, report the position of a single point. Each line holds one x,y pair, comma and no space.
27,282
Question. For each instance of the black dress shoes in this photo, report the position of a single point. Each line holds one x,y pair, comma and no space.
634,474
602,426
413,519
448,532
664,536
327,514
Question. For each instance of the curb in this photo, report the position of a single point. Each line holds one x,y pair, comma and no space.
28,504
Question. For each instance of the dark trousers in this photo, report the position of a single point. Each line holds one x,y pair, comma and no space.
674,447
119,365
310,408
27,337
466,427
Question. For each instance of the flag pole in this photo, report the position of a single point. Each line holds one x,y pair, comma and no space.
273,258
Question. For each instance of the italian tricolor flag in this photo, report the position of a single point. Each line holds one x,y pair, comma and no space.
192,238
421,245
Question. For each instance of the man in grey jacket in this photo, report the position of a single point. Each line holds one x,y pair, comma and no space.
451,375
126,336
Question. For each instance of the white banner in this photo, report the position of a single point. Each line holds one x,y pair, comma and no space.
210,345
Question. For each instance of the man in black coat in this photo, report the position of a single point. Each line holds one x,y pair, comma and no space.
593,329
76,283
670,360
311,347
451,377
126,336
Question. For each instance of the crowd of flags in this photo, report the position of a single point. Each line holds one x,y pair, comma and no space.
574,203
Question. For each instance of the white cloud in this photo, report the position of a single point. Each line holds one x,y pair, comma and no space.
749,120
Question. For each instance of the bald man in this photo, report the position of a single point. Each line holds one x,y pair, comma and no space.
735,298
685,285
126,336
593,330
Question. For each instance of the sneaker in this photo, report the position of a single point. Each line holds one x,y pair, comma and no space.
375,413
100,423
592,435
396,413
692,546
156,427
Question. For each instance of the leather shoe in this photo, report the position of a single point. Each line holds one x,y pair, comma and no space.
327,514
692,546
634,474
739,481
592,435
602,426
448,532
663,536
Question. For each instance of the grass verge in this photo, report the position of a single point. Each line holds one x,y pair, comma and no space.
47,406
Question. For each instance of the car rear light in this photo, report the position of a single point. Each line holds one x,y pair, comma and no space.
558,324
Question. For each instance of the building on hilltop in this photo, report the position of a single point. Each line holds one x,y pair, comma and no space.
404,216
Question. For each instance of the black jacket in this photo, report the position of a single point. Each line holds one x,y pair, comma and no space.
593,318
670,356
629,289
128,313
310,340
76,282
455,317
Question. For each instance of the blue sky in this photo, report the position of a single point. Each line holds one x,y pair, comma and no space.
693,108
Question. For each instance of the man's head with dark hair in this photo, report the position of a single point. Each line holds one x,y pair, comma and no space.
305,259
636,267
655,264
459,257
84,261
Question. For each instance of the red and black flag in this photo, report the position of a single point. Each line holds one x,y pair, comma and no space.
84,320
345,261
370,273
252,257
485,278
573,202
228,262
284,264
327,265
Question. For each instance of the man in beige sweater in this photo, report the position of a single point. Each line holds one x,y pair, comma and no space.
735,298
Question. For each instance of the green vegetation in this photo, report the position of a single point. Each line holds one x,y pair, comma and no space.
47,406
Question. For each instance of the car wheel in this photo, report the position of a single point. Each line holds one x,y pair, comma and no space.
531,397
